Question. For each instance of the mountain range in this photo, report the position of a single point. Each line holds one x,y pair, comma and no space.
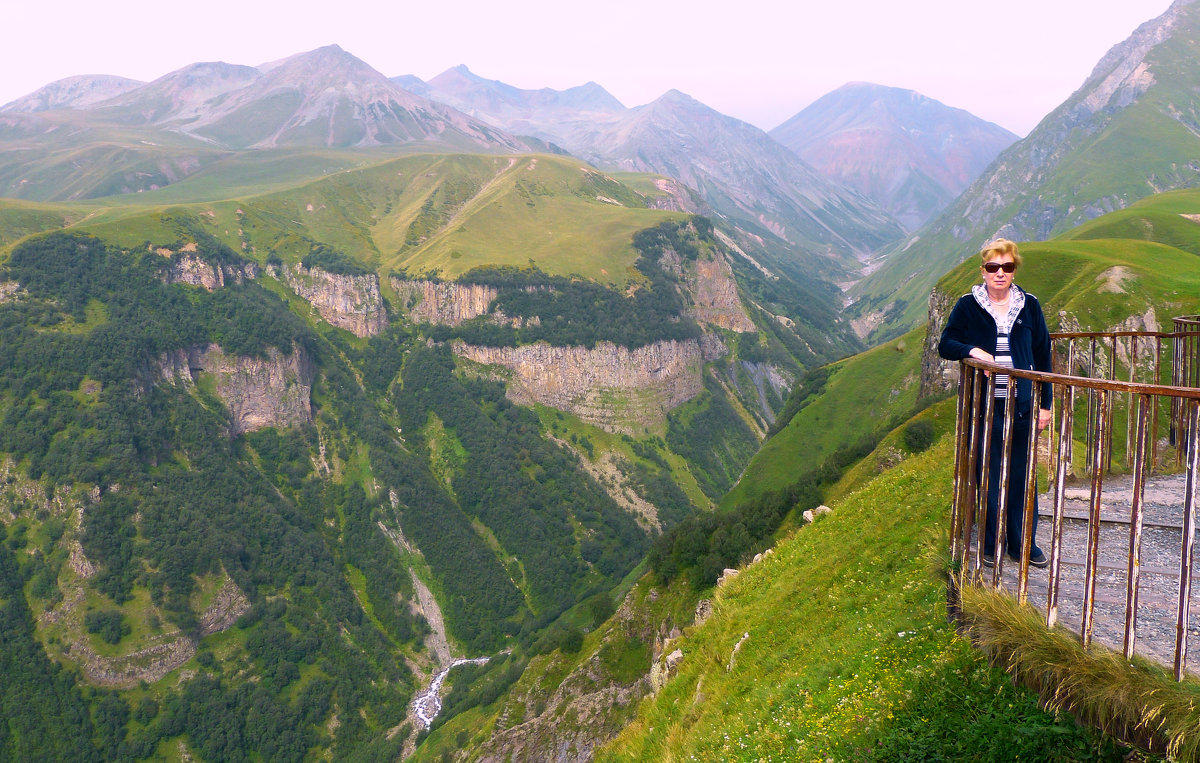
910,154
1131,130
151,135
317,381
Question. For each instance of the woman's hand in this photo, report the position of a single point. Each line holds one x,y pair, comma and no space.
981,354
1045,417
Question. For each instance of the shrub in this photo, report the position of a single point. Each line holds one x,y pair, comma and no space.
918,436
108,624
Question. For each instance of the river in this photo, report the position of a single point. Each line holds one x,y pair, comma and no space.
428,703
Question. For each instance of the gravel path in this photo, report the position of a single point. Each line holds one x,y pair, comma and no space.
1158,587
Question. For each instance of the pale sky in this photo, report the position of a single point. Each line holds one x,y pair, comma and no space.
1007,61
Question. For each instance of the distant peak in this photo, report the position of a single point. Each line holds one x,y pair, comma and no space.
459,73
876,87
325,53
678,97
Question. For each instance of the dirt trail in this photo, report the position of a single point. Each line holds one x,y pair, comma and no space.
460,213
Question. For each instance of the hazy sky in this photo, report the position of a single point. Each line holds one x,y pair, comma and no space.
1008,61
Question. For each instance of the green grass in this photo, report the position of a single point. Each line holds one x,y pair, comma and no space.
862,393
557,227
848,648
892,449
1132,699
473,210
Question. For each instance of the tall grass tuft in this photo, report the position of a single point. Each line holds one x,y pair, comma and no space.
1136,701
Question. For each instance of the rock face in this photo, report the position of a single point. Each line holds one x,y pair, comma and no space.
258,392
716,298
228,605
613,387
443,304
351,302
937,376
589,706
712,291
9,291
187,267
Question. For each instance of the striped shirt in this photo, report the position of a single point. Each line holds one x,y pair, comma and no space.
1005,317
1003,358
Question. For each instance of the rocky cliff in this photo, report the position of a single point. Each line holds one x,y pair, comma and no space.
443,303
274,391
592,703
610,386
187,267
937,376
714,296
709,286
351,302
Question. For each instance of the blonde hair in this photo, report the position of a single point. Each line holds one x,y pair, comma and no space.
999,248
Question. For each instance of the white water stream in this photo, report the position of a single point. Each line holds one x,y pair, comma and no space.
428,703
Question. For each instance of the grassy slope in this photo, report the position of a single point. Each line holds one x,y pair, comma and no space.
1159,218
253,173
869,387
845,650
472,210
23,218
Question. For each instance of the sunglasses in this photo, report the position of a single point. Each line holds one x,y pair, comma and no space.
1007,267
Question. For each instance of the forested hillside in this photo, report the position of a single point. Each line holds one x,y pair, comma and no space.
256,491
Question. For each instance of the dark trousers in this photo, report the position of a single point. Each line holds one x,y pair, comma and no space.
1018,470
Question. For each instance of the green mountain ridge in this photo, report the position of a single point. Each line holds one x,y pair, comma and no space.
1127,133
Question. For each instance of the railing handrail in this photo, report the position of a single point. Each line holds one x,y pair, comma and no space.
983,416
1140,388
1110,334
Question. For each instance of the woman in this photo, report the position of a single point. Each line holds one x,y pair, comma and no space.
1000,323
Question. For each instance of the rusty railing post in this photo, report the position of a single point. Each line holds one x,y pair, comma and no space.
1065,426
1000,550
984,456
962,428
1135,527
1192,435
1093,547
1031,463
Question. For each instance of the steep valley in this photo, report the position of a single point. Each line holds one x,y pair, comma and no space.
231,437
336,425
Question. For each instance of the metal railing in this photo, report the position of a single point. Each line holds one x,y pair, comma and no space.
1105,382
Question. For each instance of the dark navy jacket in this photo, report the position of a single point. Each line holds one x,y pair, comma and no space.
971,326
